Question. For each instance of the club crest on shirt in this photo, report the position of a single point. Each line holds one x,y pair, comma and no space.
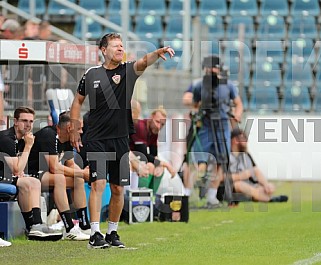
116,79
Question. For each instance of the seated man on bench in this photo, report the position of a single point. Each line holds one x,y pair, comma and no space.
52,161
15,146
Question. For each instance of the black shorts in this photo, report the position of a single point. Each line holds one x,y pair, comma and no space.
37,175
108,159
9,180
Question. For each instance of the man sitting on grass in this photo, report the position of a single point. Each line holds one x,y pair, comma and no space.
247,177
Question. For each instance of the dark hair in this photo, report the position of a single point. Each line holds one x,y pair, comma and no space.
107,37
212,61
23,109
237,132
64,118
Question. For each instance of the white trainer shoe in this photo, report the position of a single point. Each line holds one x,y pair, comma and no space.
4,243
76,234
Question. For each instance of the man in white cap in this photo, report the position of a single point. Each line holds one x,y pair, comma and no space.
9,29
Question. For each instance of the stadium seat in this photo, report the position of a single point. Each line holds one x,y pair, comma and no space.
175,63
234,24
302,51
264,99
56,9
148,7
266,74
176,7
233,66
296,98
234,48
215,8
274,7
94,30
271,28
317,97
270,51
215,26
303,27
114,7
305,8
211,47
96,6
174,27
59,100
243,8
116,19
298,74
40,7
149,26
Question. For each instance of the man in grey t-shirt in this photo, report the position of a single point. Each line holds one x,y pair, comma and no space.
247,177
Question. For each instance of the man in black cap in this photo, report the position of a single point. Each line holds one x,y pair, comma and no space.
210,94
247,177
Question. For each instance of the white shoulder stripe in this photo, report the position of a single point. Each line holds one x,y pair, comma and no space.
93,67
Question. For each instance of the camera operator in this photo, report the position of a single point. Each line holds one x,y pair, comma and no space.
212,96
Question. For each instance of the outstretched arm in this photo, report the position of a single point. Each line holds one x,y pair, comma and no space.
150,58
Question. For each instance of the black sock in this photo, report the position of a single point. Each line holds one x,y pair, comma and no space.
66,218
28,217
83,218
36,216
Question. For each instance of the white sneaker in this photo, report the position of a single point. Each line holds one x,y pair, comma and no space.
52,217
4,243
86,231
58,226
76,234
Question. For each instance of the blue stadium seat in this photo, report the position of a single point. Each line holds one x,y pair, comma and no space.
305,8
243,8
56,9
270,51
94,30
234,24
298,74
211,47
96,6
148,7
215,26
215,8
244,94
40,6
296,98
303,27
234,48
264,99
176,7
116,19
175,63
317,96
302,51
114,7
149,26
174,27
233,66
271,28
267,74
274,7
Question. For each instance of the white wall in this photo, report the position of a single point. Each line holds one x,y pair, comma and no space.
286,147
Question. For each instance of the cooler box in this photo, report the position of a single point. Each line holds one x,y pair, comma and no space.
11,220
138,206
174,209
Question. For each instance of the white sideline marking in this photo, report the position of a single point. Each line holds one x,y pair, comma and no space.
161,238
313,260
227,221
